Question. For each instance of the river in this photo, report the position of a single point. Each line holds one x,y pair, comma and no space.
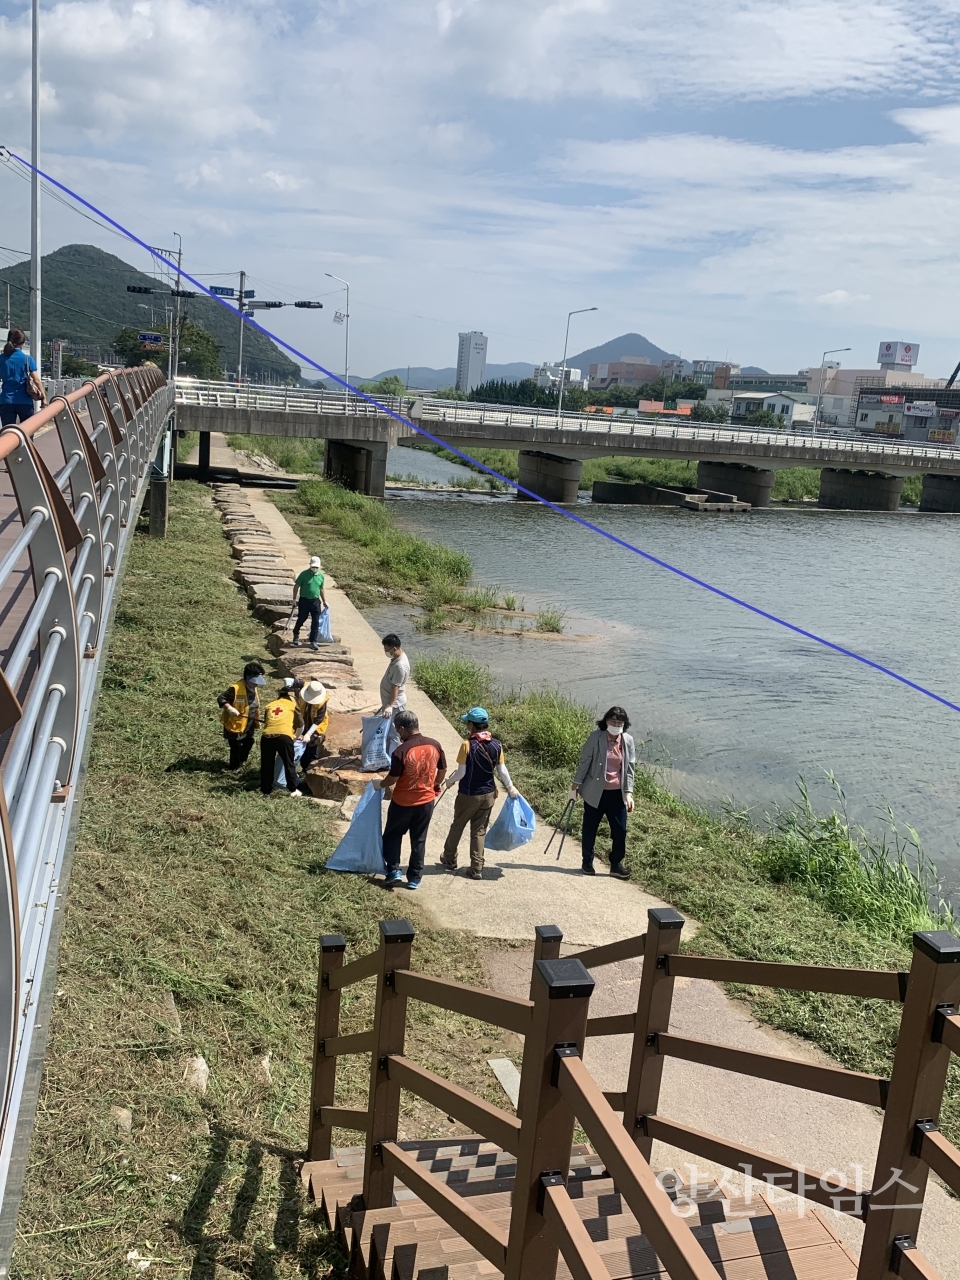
736,708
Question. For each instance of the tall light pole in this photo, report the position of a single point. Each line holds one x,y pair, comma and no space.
563,371
832,352
346,341
241,306
36,348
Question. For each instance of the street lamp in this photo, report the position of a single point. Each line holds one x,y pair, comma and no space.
346,341
832,352
563,371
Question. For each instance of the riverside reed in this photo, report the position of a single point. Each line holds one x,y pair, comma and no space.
812,889
186,885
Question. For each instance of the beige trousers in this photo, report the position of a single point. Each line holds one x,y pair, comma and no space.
476,810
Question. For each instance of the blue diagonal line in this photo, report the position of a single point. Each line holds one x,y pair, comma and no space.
561,511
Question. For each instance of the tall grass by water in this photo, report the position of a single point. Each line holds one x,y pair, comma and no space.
409,560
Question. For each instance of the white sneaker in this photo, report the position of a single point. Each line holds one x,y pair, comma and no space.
294,793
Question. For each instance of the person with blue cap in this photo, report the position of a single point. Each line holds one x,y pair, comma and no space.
479,762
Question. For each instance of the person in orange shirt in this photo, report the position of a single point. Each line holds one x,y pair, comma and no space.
417,770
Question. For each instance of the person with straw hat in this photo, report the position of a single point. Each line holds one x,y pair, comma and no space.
315,706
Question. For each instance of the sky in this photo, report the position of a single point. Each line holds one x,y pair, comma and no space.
755,181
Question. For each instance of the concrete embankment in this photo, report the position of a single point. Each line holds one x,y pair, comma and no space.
523,889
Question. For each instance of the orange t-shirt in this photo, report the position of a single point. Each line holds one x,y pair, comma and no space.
416,763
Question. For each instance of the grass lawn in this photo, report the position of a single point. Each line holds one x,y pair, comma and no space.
193,913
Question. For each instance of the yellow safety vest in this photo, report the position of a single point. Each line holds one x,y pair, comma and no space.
241,700
315,715
280,717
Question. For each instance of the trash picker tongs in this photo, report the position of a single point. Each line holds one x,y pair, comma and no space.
563,826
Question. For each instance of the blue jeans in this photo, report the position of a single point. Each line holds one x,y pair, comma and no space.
614,808
308,609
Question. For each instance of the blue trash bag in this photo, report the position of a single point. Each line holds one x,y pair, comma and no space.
514,827
279,777
361,849
325,635
378,741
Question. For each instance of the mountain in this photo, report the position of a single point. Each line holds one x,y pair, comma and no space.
427,379
85,301
629,346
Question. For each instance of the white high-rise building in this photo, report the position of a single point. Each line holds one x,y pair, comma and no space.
471,360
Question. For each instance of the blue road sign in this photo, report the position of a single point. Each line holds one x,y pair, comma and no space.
150,337
222,291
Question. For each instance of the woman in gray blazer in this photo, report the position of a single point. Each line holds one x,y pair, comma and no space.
604,779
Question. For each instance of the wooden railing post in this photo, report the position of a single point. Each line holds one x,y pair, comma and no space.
561,996
546,947
327,1024
916,1093
389,1026
664,926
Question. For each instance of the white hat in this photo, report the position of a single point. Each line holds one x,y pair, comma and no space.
315,562
313,692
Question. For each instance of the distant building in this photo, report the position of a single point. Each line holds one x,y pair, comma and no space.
712,373
793,409
792,383
471,360
622,373
548,375
930,414
672,370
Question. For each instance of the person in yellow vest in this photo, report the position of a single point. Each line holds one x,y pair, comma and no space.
315,705
240,713
282,722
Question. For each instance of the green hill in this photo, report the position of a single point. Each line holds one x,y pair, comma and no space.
85,301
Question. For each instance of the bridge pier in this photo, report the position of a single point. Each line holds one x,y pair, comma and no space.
749,484
556,479
361,467
203,457
940,493
859,490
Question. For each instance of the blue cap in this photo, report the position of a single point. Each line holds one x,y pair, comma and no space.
476,715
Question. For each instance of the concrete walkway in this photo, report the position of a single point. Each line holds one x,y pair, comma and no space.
523,889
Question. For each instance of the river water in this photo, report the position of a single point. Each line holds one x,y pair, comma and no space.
736,708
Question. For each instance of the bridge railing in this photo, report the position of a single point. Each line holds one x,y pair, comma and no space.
438,412
70,493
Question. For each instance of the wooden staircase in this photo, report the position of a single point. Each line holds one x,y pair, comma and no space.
745,1240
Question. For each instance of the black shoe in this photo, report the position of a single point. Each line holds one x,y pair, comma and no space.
587,869
620,872
295,642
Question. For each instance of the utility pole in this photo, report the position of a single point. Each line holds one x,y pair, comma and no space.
36,349
176,319
346,340
240,309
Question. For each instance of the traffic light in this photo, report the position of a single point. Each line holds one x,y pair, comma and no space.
181,293
138,288
313,306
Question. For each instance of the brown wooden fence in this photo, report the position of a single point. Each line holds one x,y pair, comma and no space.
557,1091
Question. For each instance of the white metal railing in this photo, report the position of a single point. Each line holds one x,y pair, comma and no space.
77,473
819,448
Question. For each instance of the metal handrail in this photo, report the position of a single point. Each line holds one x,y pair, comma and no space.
77,523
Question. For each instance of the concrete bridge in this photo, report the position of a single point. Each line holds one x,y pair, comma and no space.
857,471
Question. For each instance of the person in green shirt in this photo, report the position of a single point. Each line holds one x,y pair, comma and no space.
309,598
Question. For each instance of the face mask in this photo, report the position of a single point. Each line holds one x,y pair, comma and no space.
615,730
257,682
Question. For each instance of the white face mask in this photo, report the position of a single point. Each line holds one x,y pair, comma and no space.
614,730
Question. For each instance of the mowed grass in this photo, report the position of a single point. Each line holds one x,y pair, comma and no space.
810,890
187,883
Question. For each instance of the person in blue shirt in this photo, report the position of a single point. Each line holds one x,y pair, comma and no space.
20,383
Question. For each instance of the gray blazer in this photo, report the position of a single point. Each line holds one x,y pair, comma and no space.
593,764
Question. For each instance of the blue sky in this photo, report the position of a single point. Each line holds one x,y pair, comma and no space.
755,181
